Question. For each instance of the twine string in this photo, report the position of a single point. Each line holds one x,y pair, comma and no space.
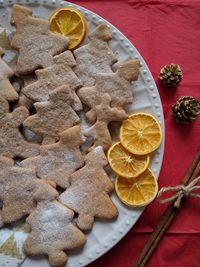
180,192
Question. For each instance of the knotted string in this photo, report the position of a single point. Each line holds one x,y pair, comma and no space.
181,191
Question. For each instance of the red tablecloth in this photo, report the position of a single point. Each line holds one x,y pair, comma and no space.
163,32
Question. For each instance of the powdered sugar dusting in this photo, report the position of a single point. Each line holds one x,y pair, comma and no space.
98,150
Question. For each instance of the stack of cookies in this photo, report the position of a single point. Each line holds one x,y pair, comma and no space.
49,181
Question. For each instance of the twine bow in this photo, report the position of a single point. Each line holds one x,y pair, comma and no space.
181,191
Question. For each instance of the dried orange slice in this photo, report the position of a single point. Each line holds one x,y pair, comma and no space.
69,22
125,163
139,191
141,133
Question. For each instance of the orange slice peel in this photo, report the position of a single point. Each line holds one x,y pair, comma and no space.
125,163
139,191
71,23
141,134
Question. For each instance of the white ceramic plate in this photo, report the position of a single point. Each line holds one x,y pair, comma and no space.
104,235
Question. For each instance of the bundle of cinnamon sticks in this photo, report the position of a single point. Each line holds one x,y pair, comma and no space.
167,217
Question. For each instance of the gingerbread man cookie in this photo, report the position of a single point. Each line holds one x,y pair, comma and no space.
105,114
52,230
12,142
7,91
93,187
117,85
36,43
95,57
59,73
58,161
17,187
53,116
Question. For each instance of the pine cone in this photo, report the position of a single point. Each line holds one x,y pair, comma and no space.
186,109
170,75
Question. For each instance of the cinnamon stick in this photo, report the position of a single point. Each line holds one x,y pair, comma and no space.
167,217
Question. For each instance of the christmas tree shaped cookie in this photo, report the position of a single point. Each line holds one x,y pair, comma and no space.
36,43
12,142
23,100
53,116
17,187
7,91
59,73
58,161
95,57
117,85
93,187
52,230
105,114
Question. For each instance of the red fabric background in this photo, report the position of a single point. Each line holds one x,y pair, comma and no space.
164,32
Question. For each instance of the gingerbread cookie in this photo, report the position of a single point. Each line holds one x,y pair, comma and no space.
1,220
7,91
12,142
53,116
58,161
52,230
17,187
95,57
17,83
23,100
36,43
104,114
88,191
59,73
117,85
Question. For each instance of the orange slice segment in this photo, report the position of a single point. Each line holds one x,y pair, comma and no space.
69,22
125,163
139,191
141,134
